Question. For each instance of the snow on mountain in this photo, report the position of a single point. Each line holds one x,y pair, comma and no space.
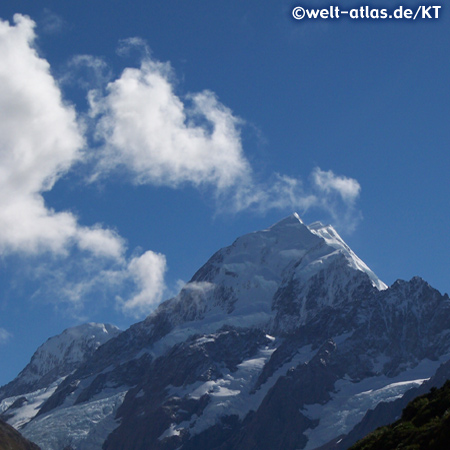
351,400
333,239
82,426
283,340
50,364
238,284
20,409
66,350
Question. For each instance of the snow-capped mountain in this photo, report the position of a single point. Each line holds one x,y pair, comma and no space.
50,364
283,340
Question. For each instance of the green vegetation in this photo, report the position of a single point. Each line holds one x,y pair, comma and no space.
424,425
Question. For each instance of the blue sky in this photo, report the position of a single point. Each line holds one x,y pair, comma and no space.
138,138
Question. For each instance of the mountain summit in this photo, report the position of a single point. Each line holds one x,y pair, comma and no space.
50,364
283,340
245,283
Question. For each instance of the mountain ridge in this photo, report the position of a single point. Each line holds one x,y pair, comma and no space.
285,322
54,360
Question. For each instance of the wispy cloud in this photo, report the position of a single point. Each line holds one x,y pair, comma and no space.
280,192
5,336
133,45
134,285
158,137
87,72
337,195
329,183
51,23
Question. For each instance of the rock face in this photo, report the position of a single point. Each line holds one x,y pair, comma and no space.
283,340
10,439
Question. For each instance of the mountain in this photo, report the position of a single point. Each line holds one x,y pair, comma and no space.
50,364
283,340
10,439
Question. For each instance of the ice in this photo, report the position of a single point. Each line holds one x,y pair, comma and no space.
30,408
352,400
84,426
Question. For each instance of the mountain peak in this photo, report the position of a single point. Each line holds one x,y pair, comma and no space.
291,220
292,232
59,355
241,283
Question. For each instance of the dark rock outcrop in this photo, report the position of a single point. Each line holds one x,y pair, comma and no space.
11,439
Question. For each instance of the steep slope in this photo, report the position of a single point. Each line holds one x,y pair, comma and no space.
49,365
283,340
386,413
10,439
424,425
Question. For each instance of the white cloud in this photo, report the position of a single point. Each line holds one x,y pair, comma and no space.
148,272
100,242
39,142
328,182
5,336
146,128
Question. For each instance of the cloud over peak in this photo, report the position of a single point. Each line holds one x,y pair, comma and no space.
160,138
327,182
